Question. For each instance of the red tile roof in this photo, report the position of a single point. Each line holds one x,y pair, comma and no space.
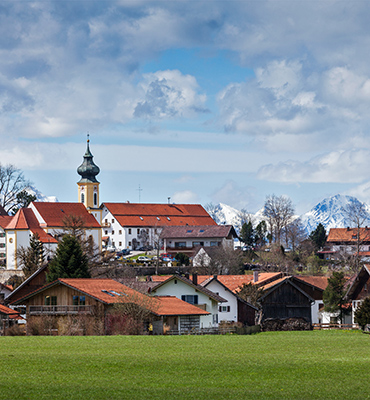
25,219
320,282
348,235
133,214
171,305
5,220
54,213
232,282
12,314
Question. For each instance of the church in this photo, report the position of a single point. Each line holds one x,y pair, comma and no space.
113,226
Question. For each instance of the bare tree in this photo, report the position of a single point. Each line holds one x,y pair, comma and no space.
278,211
12,183
294,234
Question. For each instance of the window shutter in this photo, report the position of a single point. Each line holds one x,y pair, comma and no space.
183,297
220,308
196,299
228,308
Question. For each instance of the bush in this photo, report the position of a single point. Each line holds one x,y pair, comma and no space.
42,325
15,330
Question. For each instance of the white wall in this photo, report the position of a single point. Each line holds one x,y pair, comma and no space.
177,288
232,315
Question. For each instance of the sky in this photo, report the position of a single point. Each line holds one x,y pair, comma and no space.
196,101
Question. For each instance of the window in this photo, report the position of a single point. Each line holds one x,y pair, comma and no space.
120,244
112,221
214,243
95,199
141,218
138,231
82,198
195,244
120,232
215,318
106,220
180,244
2,244
50,300
158,219
106,232
112,232
129,243
190,298
175,282
129,231
224,308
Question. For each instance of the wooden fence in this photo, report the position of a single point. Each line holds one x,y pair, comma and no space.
335,326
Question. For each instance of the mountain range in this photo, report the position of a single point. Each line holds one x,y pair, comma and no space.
330,212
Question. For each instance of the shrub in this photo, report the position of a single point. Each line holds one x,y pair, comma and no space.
15,330
362,314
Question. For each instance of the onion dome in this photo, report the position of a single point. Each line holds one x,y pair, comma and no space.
88,170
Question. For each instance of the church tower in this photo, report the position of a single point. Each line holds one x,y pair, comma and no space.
88,186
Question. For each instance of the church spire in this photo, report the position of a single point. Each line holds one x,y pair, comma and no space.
88,169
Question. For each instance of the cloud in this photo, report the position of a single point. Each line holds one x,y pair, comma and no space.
169,94
233,194
340,166
185,196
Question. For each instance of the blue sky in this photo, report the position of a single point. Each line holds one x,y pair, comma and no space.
200,101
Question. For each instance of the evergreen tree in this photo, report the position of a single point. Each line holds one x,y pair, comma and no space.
334,293
362,314
247,233
260,234
318,236
69,260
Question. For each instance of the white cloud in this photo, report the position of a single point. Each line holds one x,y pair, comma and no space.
340,166
169,94
231,193
185,196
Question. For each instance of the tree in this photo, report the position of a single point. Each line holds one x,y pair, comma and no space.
247,233
31,258
362,314
23,200
318,236
260,234
69,261
182,258
252,293
334,293
278,212
12,183
294,234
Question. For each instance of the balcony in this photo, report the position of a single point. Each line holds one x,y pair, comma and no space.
60,310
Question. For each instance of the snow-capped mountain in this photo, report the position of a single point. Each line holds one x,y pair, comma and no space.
40,196
330,212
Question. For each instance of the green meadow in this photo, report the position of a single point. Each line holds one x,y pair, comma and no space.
272,365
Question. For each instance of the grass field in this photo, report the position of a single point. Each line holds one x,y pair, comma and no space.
273,365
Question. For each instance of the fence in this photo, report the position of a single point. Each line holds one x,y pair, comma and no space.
335,326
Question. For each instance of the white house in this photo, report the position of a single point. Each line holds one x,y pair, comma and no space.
132,225
189,291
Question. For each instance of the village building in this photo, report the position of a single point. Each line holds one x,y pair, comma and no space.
133,226
95,298
189,239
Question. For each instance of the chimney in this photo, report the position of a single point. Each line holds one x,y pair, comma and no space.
195,279
187,276
255,276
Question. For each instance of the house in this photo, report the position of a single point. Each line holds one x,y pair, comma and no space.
193,293
235,309
132,225
46,219
345,241
314,286
94,298
359,289
4,221
284,299
5,291
186,239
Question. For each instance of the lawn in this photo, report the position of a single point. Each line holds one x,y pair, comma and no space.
273,365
